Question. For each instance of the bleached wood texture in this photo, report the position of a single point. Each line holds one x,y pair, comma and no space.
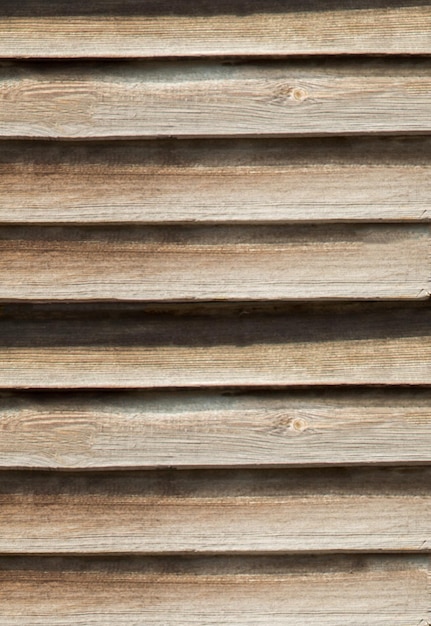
192,99
99,348
240,592
215,512
219,263
216,181
168,28
205,429
161,317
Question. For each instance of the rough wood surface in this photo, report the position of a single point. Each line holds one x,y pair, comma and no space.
161,317
191,99
215,512
102,347
216,181
215,263
173,429
240,592
241,28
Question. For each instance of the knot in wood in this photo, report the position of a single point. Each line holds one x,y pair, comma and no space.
292,94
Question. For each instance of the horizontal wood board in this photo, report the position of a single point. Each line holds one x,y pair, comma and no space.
102,430
110,347
216,181
215,263
211,99
169,29
215,512
248,591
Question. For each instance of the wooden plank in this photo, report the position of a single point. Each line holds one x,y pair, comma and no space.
211,512
191,99
331,591
146,348
224,263
168,28
215,181
173,429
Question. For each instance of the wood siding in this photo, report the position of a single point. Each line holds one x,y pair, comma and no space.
215,325
174,28
209,99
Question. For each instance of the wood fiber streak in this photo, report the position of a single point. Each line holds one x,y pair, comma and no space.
215,181
258,31
215,512
231,263
149,430
360,346
333,592
192,99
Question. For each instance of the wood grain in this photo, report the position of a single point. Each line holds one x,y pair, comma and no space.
236,28
203,429
167,348
367,591
190,99
215,512
108,347
218,263
215,181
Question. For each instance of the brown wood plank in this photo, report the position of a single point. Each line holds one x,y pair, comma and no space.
206,512
216,181
224,263
192,99
110,347
149,430
168,28
331,591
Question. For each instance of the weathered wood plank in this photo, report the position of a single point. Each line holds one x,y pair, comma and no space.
190,99
224,263
215,512
108,347
216,181
148,430
168,29
331,591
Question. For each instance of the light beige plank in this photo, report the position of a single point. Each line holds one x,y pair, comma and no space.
331,592
148,430
110,347
215,181
192,99
246,28
215,512
231,263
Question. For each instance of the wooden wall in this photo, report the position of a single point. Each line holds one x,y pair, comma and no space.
215,329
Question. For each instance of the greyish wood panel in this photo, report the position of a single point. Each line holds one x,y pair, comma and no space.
192,99
167,512
168,28
331,591
90,430
215,263
108,347
216,181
